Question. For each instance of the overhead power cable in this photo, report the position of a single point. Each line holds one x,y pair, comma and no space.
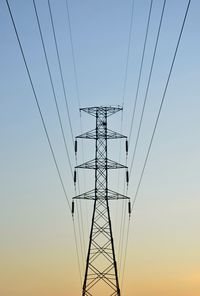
38,105
44,125
140,71
122,235
60,70
125,255
154,130
148,84
81,232
161,104
79,211
77,253
78,99
73,55
123,98
79,215
52,86
128,53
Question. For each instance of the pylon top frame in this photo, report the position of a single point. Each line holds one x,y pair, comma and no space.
109,110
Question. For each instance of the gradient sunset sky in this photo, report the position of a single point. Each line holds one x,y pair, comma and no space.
37,246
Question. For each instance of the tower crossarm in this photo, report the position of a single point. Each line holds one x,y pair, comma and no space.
108,110
93,135
102,163
111,195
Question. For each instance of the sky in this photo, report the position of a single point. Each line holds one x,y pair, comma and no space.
37,245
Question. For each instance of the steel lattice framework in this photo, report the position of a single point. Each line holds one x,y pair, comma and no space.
101,263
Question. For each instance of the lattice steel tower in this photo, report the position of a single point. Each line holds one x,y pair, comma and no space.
101,266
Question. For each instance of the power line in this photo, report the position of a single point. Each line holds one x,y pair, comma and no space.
154,130
122,233
161,104
134,108
77,254
127,236
140,71
128,53
81,236
73,55
75,69
122,117
44,126
148,84
37,103
125,256
121,229
52,86
64,91
80,220
78,98
60,70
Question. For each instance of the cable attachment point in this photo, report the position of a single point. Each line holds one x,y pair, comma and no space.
72,208
75,147
126,147
75,178
127,177
129,209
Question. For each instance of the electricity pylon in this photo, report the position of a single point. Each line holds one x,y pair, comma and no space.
101,265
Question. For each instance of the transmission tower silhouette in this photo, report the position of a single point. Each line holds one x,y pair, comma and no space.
101,265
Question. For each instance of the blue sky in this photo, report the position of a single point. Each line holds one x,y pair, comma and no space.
34,213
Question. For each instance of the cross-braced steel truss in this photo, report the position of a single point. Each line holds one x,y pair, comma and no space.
101,263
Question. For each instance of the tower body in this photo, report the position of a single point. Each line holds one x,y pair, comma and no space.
101,268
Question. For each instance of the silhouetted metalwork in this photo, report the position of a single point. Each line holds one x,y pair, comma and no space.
101,265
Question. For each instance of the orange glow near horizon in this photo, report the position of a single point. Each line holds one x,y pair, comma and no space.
49,275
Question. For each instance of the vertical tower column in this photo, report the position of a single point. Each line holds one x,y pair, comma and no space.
101,275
